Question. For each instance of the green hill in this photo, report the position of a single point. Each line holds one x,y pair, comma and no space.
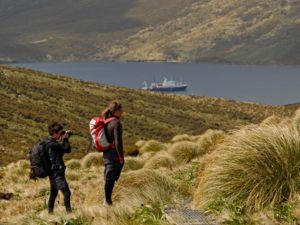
238,31
30,99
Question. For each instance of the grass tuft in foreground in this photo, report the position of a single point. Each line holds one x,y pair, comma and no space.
255,168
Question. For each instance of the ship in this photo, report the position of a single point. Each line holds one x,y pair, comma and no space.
166,85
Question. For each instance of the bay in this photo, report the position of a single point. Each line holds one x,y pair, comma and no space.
276,85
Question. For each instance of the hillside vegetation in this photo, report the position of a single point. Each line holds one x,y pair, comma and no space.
30,100
235,31
249,176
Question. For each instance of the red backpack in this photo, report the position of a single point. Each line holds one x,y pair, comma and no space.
98,134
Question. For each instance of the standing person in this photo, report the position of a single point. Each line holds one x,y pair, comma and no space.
57,177
113,157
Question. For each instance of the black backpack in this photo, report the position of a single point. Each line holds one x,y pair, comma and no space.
39,159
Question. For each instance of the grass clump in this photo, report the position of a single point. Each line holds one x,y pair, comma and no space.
140,143
145,186
271,120
73,164
92,159
296,118
210,139
133,163
185,151
147,156
23,164
181,137
152,146
161,159
257,167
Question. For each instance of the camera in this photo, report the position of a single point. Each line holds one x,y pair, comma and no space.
69,132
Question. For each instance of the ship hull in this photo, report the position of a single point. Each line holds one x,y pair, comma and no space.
169,89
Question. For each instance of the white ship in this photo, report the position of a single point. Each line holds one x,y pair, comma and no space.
166,85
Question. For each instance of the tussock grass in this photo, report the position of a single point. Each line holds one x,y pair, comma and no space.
210,139
257,167
145,186
161,159
140,143
73,164
296,118
271,120
23,164
18,172
147,155
73,176
152,146
130,192
194,138
133,163
181,137
185,151
92,159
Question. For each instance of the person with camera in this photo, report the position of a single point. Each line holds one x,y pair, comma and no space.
113,157
56,151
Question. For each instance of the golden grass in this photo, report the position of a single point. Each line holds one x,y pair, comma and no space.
152,146
185,151
210,139
92,159
147,155
161,159
73,164
144,186
133,163
271,120
256,167
181,137
296,118
130,192
140,143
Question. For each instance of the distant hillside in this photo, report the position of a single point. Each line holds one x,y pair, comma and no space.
238,31
70,30
30,99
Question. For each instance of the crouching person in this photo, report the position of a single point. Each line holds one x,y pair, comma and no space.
57,177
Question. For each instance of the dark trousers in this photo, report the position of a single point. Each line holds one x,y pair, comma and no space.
58,182
108,188
112,173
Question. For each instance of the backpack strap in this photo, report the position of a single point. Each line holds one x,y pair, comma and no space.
106,122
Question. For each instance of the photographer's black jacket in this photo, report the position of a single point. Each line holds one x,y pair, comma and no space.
56,153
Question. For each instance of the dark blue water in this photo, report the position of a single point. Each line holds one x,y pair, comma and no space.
276,85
